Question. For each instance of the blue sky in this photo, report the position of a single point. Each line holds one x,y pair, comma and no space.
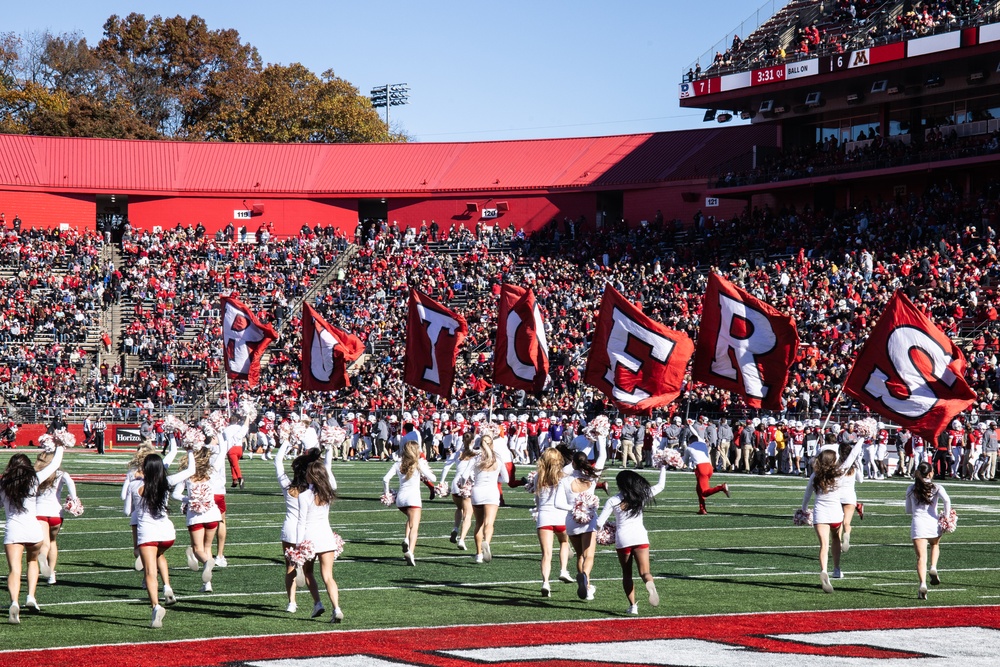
477,71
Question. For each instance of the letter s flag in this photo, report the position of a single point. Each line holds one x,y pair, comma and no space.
910,372
635,361
326,352
744,345
244,339
521,358
433,335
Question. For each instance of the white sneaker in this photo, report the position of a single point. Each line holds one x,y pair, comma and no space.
546,590
338,615
590,592
633,610
837,574
220,561
52,578
824,581
206,574
479,558
318,610
192,560
43,566
845,543
32,604
14,614
300,576
138,563
487,554
922,592
168,596
158,614
461,545
410,560
206,587
292,608
565,577
654,596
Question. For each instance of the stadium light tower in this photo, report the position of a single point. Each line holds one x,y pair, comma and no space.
390,95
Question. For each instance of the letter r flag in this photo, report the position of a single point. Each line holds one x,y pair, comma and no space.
433,336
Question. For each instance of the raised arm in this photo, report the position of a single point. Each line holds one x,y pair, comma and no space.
279,466
51,468
328,464
660,485
67,481
187,473
943,495
171,454
602,452
389,475
852,458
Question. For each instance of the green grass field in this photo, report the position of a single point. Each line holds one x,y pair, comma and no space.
745,556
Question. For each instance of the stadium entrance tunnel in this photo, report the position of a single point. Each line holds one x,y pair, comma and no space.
112,214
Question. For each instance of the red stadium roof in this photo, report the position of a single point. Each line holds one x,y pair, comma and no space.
120,166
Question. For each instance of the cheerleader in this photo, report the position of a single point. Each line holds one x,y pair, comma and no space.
155,531
464,462
409,470
631,538
130,493
489,472
314,526
22,532
217,481
291,488
549,519
923,503
849,502
48,511
202,515
582,481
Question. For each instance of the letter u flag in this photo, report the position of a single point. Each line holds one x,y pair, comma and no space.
910,372
244,339
521,358
326,353
635,361
433,335
744,345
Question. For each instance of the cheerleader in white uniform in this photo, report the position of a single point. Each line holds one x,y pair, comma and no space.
631,539
924,501
218,483
489,473
22,531
409,470
49,511
549,519
849,500
314,526
291,488
202,515
130,494
828,512
155,531
583,480
464,462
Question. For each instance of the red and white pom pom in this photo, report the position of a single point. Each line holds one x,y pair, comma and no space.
491,429
803,518
47,442
465,490
285,431
298,430
294,556
529,481
174,425
74,506
599,426
306,549
667,458
606,535
388,499
442,490
193,439
947,523
338,545
585,508
866,428
201,499
247,408
332,436
218,420
64,438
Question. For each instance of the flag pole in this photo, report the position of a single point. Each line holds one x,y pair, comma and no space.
493,394
833,406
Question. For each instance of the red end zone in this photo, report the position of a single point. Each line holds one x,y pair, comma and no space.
837,638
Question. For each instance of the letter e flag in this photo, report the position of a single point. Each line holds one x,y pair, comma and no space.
910,372
433,334
635,361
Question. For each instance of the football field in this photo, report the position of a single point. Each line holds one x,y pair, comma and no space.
744,556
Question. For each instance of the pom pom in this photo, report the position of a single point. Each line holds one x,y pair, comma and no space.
47,442
285,431
64,438
217,420
947,523
529,481
465,489
442,490
298,429
74,506
306,549
193,438
200,497
866,428
491,429
606,535
803,518
247,408
585,507
388,499
332,436
174,425
667,458
598,427
338,545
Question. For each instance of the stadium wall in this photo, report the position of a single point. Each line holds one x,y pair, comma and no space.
46,210
215,213
523,212
673,202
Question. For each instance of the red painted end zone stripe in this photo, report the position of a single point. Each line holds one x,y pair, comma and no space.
418,645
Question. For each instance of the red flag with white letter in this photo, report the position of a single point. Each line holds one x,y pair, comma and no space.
910,372
744,345
244,339
433,334
521,358
326,353
636,362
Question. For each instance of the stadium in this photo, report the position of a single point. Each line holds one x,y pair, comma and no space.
812,292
